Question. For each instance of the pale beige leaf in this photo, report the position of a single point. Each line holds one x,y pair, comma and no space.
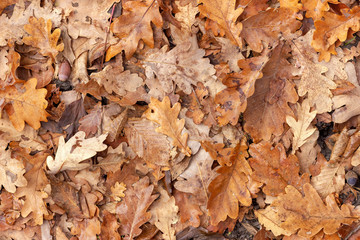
313,81
164,214
117,191
184,65
11,172
70,154
301,128
308,152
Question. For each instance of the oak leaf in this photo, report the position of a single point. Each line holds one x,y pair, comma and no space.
308,152
189,208
301,127
42,37
218,152
268,107
147,143
69,155
313,81
109,227
230,187
11,172
166,116
117,191
315,9
25,105
305,214
252,7
183,64
273,168
240,86
225,14
332,28
133,210
135,25
87,229
164,214
266,27
34,191
331,178
90,123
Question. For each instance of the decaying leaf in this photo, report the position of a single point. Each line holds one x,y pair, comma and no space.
230,187
70,154
166,116
42,37
26,104
305,214
301,127
273,168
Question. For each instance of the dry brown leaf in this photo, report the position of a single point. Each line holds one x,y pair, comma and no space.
183,64
164,214
135,25
331,178
313,81
147,143
307,213
189,208
69,155
301,127
42,37
90,123
109,227
166,116
34,191
117,191
225,14
230,187
240,86
268,107
25,105
308,152
114,79
266,26
133,210
87,229
273,168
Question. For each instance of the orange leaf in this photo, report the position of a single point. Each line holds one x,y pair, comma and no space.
334,28
267,26
292,211
315,9
230,187
42,38
225,14
274,169
165,115
219,153
25,105
135,25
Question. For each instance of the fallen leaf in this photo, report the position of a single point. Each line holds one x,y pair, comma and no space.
307,213
42,37
184,64
118,191
230,187
301,127
315,9
261,27
70,154
268,107
135,25
166,116
273,168
25,105
164,214
87,229
90,123
189,209
225,14
109,227
133,210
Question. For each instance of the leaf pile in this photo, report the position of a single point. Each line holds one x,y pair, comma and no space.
158,119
